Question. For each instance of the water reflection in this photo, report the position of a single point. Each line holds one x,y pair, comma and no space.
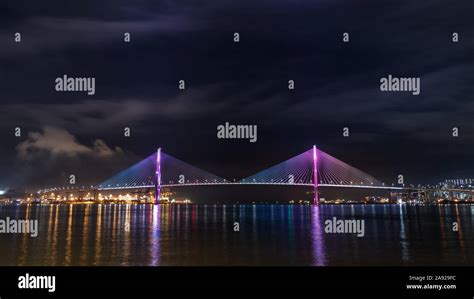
403,237
154,247
460,232
97,247
317,237
269,235
69,231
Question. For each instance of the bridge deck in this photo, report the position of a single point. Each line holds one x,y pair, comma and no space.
253,183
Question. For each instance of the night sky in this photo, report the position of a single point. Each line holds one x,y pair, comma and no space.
336,86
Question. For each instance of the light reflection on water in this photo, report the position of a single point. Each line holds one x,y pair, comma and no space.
269,235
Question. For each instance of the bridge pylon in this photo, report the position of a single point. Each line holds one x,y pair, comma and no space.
315,175
158,176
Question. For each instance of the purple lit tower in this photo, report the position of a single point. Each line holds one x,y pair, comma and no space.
158,176
315,175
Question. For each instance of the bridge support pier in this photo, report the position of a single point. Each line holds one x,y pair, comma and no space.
158,176
315,175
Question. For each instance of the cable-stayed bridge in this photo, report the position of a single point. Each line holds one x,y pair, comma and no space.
312,168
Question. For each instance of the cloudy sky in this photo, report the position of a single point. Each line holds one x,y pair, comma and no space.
336,86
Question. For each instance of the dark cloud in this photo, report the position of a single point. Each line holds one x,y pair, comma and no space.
102,116
51,156
58,142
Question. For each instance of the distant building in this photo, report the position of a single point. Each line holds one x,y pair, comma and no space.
458,183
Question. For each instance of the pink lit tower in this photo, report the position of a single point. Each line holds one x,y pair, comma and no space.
158,176
315,175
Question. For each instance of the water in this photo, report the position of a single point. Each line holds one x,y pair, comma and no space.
188,235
